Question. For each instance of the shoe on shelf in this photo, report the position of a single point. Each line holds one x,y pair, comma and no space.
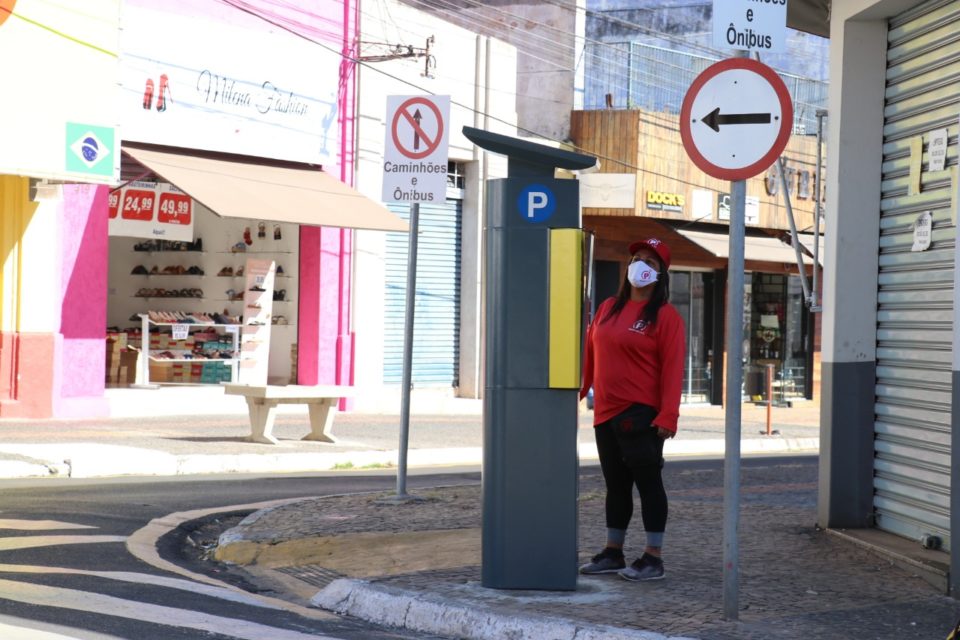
607,561
257,288
279,270
239,271
226,272
139,270
646,567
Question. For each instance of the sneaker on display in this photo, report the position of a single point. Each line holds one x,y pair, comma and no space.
607,561
646,567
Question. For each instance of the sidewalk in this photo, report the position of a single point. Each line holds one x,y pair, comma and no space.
416,566
186,430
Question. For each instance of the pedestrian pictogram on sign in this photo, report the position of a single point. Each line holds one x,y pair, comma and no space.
736,119
415,151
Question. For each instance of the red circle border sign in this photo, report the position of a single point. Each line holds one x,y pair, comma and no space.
786,119
432,146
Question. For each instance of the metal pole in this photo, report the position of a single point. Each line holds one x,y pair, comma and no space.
794,240
817,212
731,467
407,352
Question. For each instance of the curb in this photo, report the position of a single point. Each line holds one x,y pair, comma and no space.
430,613
91,460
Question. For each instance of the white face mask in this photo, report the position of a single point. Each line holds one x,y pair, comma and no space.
640,274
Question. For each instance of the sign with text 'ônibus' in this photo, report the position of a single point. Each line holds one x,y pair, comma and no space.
415,149
750,25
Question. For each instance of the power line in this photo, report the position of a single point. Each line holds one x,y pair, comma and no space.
354,60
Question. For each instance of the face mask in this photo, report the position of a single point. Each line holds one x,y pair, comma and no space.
640,274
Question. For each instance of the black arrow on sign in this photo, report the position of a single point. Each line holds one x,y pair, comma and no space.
416,136
714,119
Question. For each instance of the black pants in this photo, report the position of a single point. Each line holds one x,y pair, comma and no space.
631,453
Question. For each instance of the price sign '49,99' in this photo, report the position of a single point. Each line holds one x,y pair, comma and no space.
151,210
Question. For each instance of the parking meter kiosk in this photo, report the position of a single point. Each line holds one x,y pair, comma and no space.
534,293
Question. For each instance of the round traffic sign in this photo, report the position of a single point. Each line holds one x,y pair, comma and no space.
418,141
736,119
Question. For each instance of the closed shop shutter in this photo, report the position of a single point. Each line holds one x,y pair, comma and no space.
914,315
436,338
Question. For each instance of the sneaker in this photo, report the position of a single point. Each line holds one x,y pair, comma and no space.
607,561
646,567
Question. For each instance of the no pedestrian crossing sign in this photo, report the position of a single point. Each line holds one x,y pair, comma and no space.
415,149
736,119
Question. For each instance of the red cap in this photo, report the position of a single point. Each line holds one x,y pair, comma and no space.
658,246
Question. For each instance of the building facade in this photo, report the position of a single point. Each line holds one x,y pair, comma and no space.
890,383
234,145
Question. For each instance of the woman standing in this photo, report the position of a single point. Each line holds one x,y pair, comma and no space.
633,359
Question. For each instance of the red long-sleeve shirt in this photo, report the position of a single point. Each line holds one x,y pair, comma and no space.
627,362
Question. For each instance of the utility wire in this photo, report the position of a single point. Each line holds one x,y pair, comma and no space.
354,60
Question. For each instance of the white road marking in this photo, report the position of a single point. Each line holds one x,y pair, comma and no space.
72,599
29,542
146,579
39,525
12,628
142,544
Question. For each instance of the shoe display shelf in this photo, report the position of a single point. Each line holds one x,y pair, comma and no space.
257,314
150,366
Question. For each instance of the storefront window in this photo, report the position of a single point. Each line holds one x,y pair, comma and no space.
687,295
777,337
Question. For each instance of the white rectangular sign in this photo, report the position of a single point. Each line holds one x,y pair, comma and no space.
750,25
59,112
751,212
193,83
937,150
149,210
415,149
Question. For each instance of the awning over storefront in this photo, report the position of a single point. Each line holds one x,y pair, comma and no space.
755,248
812,16
266,190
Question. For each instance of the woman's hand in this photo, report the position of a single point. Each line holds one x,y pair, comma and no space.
666,434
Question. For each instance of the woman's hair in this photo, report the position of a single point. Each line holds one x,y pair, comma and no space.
659,297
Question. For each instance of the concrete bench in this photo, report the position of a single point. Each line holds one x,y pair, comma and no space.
262,401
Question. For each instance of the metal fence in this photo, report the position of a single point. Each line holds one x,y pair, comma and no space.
633,75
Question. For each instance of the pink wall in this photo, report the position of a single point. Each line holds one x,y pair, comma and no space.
84,255
325,339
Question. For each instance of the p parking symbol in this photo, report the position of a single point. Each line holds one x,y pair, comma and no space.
536,203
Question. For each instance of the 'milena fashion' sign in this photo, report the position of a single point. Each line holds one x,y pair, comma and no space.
210,87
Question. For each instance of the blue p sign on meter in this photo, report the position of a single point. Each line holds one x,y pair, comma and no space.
536,203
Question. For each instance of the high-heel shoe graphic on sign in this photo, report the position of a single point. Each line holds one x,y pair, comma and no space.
148,94
163,93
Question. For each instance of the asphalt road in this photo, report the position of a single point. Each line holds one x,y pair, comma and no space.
64,561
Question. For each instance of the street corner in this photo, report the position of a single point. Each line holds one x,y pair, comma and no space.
456,614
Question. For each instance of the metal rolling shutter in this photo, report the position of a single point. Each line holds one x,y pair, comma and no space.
436,336
914,316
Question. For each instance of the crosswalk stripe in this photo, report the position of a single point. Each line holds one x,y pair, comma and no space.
45,596
12,628
145,579
29,542
39,525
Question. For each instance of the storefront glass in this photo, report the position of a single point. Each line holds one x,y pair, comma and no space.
687,295
777,356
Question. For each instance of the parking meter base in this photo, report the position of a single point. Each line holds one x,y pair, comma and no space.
529,535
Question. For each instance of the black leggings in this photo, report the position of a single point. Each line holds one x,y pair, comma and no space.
631,453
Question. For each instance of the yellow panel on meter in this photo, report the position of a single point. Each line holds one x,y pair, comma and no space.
566,247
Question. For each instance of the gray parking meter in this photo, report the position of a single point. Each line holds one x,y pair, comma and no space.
534,290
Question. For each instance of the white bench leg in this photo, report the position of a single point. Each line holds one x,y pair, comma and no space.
262,414
321,420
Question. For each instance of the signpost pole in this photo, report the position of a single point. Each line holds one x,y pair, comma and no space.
414,171
731,466
407,352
